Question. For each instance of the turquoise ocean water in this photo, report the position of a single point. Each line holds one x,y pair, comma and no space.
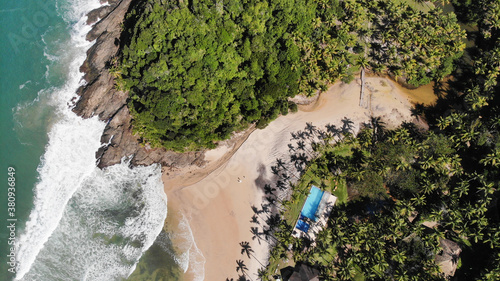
73,221
23,74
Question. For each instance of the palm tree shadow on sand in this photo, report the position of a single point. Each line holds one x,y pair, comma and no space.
267,218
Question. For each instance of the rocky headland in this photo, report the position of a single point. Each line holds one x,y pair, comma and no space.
99,97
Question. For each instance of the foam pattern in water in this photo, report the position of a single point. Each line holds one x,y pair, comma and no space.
69,155
187,255
109,222
86,224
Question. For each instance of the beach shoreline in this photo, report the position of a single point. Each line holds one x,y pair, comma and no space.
217,200
214,190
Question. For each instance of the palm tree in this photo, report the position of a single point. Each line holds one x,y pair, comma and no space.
257,235
242,267
310,128
255,219
269,190
362,62
347,126
247,249
271,200
378,127
419,199
268,233
280,185
399,256
265,208
255,210
345,271
492,159
301,145
273,221
258,212
280,164
275,170
333,130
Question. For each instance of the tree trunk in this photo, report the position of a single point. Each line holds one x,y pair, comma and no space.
362,86
257,260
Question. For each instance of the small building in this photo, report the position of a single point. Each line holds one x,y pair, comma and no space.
301,272
314,214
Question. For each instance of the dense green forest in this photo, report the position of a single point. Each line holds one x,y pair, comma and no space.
408,189
198,70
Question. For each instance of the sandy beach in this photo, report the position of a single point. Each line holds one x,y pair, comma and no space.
217,199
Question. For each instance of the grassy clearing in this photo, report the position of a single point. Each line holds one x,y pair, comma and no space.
333,184
275,264
341,192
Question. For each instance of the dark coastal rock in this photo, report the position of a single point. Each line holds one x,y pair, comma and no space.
98,13
99,97
120,142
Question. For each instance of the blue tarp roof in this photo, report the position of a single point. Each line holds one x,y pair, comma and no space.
302,225
312,203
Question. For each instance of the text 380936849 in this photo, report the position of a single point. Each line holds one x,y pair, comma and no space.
11,218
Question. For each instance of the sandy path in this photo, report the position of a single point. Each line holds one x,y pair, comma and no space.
218,206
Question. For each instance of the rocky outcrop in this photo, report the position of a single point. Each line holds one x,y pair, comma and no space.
100,98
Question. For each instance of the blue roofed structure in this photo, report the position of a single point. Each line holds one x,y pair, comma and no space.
314,213
302,225
312,202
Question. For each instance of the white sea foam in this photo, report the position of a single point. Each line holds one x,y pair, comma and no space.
46,54
188,256
68,159
24,84
47,73
113,217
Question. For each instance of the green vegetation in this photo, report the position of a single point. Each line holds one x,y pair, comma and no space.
198,70
399,181
409,189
